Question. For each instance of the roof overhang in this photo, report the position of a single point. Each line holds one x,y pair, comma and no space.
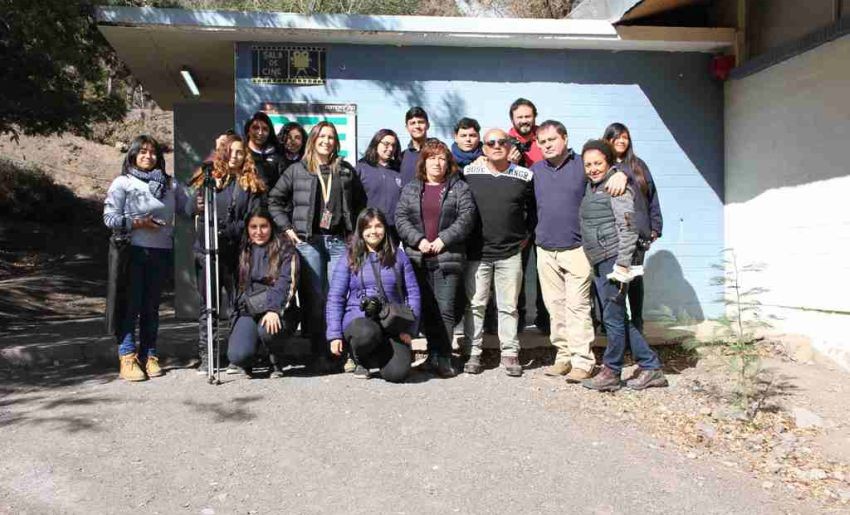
157,43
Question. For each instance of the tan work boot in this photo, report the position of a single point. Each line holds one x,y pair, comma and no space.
578,375
152,367
560,368
131,370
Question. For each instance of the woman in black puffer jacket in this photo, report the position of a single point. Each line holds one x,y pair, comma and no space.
435,215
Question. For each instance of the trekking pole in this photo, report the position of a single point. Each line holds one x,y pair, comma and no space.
210,261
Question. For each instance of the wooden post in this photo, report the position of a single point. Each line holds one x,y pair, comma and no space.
741,44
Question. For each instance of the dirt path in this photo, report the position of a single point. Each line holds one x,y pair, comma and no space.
81,442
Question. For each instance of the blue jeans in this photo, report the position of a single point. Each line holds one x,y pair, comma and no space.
149,269
617,324
319,256
248,338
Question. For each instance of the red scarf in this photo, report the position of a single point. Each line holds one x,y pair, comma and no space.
534,153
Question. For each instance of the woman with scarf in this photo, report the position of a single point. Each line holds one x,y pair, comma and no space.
379,173
142,201
291,138
263,147
239,189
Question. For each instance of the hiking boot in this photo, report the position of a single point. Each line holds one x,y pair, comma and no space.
152,367
444,367
578,375
131,370
512,366
361,372
472,365
349,366
647,379
560,368
605,381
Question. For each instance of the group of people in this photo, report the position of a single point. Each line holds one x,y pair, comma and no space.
406,241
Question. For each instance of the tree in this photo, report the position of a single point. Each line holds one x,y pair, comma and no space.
54,67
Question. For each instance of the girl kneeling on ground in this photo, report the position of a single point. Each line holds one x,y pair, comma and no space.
609,239
142,201
371,273
267,277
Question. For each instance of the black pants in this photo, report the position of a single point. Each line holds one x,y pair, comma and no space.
541,318
227,291
371,348
248,339
437,289
636,302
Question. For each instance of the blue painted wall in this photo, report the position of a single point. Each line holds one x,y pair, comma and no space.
669,101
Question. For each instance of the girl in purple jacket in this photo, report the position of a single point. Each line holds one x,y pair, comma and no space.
355,294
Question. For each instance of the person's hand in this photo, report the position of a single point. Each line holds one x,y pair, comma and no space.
219,141
405,338
616,185
336,347
480,161
653,236
290,233
145,223
271,322
437,246
424,246
514,155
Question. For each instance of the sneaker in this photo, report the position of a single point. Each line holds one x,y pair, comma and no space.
472,365
361,372
647,379
560,368
130,369
350,366
605,381
152,367
578,375
444,367
232,369
512,366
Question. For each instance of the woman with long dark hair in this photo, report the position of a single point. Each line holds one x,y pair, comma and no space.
142,201
435,215
374,273
292,139
239,190
380,176
315,204
267,275
263,146
647,208
609,240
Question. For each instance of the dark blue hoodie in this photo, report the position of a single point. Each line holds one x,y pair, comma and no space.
408,164
382,186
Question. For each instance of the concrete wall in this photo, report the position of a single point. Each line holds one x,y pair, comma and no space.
672,106
196,125
787,178
772,23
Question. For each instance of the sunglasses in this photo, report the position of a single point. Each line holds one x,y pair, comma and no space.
496,142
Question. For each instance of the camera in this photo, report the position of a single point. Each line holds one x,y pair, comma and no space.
371,306
522,147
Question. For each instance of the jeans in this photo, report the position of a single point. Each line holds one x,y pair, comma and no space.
617,325
149,269
227,293
437,289
248,338
480,276
541,317
319,256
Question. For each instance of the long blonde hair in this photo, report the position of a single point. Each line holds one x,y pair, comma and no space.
247,178
311,160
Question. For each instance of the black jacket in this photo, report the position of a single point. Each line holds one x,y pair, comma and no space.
269,165
457,220
292,201
279,294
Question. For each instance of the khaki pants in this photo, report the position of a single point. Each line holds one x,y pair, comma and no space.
565,281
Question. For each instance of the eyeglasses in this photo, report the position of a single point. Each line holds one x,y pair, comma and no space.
496,142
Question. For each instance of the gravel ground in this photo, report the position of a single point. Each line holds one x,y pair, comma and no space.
80,441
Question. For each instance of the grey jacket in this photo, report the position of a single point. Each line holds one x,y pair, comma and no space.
608,224
129,198
458,215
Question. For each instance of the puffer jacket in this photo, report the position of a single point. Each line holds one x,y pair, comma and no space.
292,201
608,223
458,215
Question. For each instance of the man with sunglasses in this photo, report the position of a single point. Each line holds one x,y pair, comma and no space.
504,194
